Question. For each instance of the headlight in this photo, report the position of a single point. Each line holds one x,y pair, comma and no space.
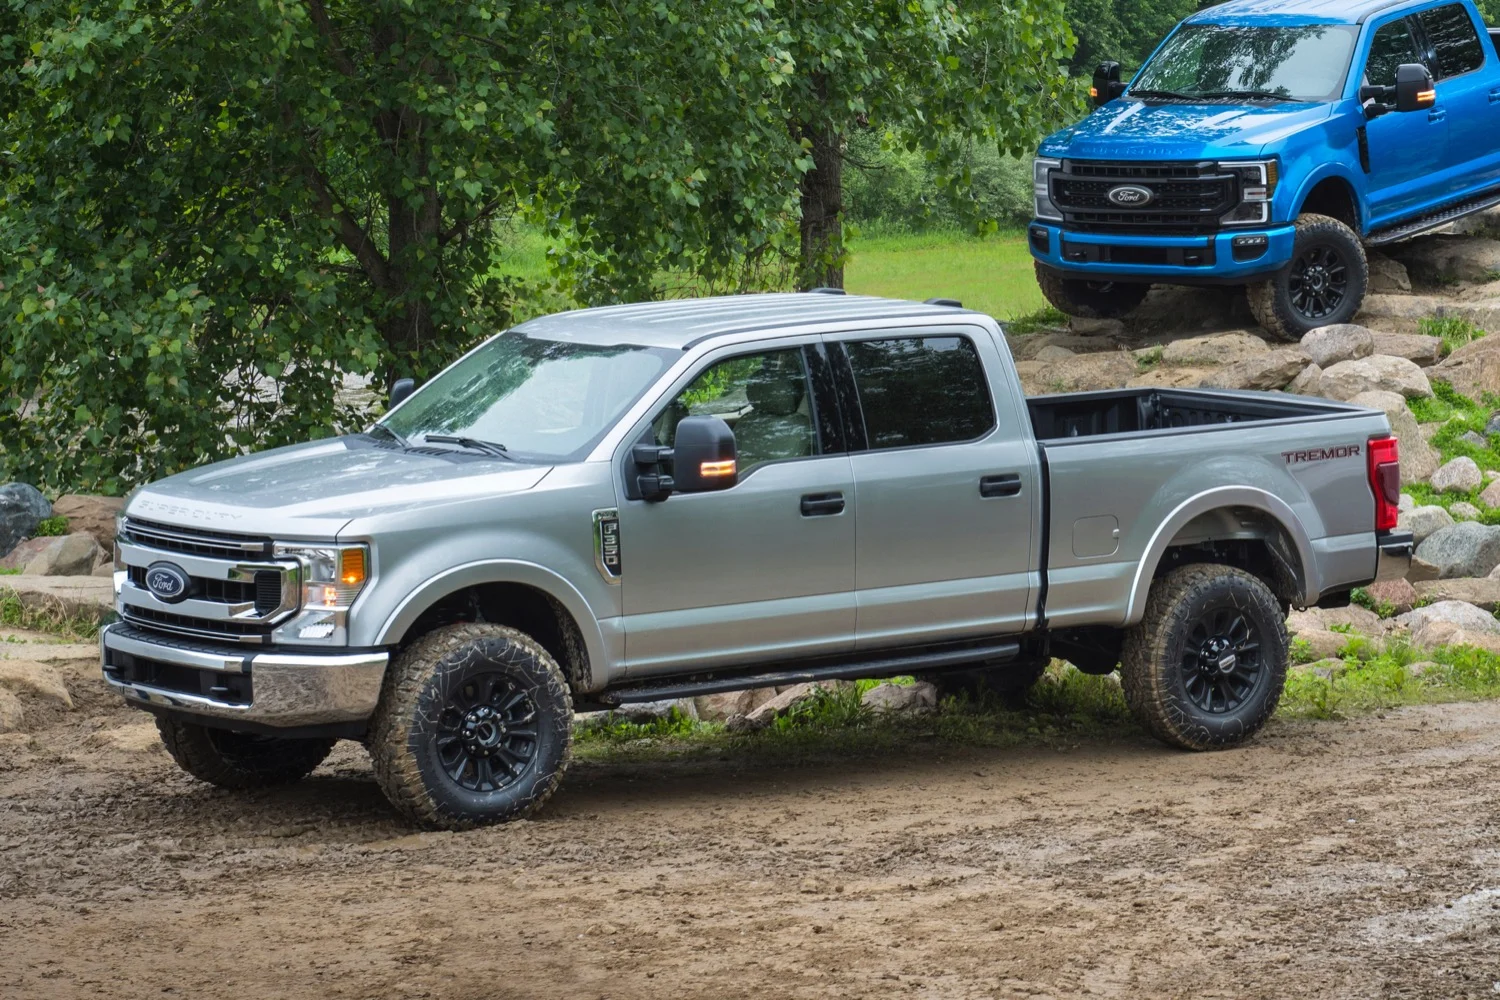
1257,188
1041,184
332,577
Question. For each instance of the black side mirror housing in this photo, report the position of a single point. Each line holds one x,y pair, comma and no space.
1107,85
1414,88
704,457
400,390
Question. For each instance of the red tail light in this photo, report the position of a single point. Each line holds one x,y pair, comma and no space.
1385,481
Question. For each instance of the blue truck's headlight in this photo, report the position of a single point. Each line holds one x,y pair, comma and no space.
1257,187
1041,182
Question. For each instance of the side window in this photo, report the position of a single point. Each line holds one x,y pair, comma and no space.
1391,46
1451,32
764,397
920,390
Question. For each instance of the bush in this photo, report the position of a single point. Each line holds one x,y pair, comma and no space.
52,527
889,189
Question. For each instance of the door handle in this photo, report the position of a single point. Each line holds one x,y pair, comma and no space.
1006,485
1495,95
1436,115
822,504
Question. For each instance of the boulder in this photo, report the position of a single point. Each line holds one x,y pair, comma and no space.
1419,460
1473,369
1449,634
1360,619
1444,259
1417,347
1406,503
1473,439
1387,276
1462,510
1214,349
1399,594
11,712
1096,327
1170,378
1052,353
908,699
1272,370
1423,521
1308,382
1322,643
91,515
36,679
1454,613
1482,593
645,712
1493,426
1348,379
723,707
1467,548
1328,345
1421,570
788,700
87,597
1087,372
1491,495
65,555
22,508
1461,475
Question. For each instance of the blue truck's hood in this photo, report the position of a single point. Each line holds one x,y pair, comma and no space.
1182,131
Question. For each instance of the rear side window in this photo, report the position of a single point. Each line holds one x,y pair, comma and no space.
1453,38
920,390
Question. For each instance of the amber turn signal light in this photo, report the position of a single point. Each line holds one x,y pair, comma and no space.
716,470
352,567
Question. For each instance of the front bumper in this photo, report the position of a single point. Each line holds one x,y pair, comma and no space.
241,688
1186,260
1395,551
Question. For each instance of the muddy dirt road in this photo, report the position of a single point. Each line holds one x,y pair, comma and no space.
1354,859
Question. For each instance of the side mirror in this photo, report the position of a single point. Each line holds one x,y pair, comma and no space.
1107,85
404,387
1414,88
703,455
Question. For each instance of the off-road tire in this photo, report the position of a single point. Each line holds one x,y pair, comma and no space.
239,760
1009,682
1273,301
421,688
1154,662
1089,299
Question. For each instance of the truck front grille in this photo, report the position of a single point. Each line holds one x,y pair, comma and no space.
1185,197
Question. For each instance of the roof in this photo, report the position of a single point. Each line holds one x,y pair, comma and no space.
681,323
1295,11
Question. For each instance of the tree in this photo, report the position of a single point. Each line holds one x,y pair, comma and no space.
213,209
935,75
1123,30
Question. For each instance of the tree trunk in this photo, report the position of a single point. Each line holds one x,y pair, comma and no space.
822,261
412,231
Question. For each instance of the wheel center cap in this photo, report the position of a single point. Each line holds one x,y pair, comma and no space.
483,729
1218,656
1317,279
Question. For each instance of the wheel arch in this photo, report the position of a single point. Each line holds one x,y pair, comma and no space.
518,594
1330,192
1239,525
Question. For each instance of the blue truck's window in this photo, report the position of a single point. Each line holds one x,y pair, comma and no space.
1454,40
764,397
920,390
1298,63
1390,48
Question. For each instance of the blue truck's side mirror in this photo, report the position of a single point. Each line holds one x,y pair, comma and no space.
1107,85
1414,88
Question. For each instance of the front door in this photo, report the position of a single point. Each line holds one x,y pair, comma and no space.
1406,149
764,569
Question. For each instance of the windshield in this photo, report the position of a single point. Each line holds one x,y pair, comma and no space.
542,400
1303,63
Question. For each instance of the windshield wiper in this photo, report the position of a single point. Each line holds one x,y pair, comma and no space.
390,434
473,444
1169,94
1264,94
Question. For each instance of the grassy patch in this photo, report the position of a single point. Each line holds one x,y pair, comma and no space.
1455,331
1365,680
1458,415
53,619
993,274
52,527
1046,318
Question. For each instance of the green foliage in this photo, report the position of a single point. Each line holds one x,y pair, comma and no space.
893,190
1045,318
1123,30
1458,415
52,527
1301,651
1455,331
1361,597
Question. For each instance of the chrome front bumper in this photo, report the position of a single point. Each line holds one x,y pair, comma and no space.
1396,549
288,691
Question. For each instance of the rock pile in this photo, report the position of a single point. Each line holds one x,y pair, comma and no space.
86,548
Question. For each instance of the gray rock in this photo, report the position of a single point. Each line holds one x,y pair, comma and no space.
1328,345
1422,522
1406,503
1461,475
1272,370
909,699
1482,593
1308,382
1419,460
93,515
1462,510
22,508
1214,349
1399,594
1423,622
1493,427
1421,570
788,700
723,707
646,712
1348,379
1474,438
1420,348
65,555
1473,369
1052,353
1387,276
1467,548
1491,495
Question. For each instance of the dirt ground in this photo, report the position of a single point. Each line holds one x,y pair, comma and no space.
1334,859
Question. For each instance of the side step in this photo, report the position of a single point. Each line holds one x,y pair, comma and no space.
888,666
1433,220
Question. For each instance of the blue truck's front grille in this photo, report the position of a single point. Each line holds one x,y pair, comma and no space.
1184,197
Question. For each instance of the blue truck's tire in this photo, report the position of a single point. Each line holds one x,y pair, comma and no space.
1205,667
452,750
1323,284
1089,299
239,760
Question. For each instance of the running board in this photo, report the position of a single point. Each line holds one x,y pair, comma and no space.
1434,220
888,666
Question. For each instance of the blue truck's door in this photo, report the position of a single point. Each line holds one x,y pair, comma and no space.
1468,90
1406,150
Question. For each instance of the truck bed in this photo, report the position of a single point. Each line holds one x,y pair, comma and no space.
1135,411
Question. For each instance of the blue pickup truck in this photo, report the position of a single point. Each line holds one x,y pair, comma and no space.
1266,143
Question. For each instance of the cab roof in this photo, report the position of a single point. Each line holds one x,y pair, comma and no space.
1289,12
682,323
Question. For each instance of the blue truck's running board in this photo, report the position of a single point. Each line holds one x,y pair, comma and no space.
1434,220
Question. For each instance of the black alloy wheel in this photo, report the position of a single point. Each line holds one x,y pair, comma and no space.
487,733
1221,660
1319,282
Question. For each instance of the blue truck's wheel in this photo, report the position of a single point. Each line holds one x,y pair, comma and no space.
1205,667
1089,299
474,726
1323,284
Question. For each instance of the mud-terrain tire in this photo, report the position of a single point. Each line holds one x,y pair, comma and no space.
239,760
474,726
1324,283
1205,667
1089,299
1009,682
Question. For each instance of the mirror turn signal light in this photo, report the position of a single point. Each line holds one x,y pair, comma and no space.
1426,97
717,470
352,567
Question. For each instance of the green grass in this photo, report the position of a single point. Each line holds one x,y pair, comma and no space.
54,619
993,275
1455,331
1458,414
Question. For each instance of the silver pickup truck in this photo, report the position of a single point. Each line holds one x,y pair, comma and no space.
665,500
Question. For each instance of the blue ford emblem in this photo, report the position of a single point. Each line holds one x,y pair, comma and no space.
1130,195
167,582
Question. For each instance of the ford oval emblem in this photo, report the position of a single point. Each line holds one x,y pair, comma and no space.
167,582
1130,196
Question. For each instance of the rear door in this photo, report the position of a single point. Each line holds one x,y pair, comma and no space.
948,484
1468,92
